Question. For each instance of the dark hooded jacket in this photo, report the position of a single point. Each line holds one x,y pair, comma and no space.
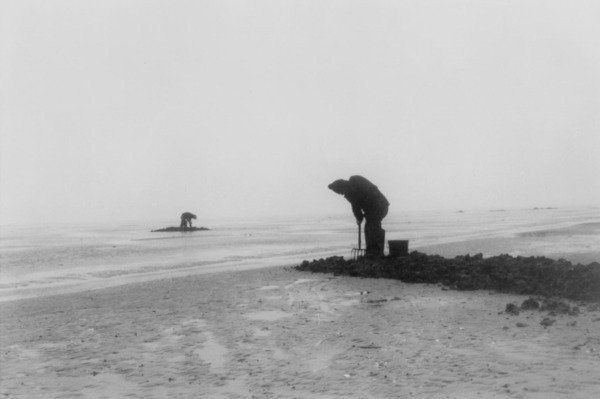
188,216
366,199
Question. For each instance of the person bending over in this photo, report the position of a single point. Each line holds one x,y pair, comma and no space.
186,218
368,203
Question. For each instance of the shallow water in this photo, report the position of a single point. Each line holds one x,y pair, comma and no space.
41,260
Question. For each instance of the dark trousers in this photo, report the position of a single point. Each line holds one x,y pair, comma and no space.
374,234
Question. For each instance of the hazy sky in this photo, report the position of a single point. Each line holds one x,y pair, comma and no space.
124,110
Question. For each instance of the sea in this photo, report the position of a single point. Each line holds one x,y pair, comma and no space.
39,260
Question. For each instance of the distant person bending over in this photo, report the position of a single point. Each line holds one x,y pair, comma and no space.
368,203
186,218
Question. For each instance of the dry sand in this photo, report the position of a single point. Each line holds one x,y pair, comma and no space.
280,333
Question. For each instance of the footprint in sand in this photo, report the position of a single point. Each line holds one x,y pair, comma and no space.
268,315
213,353
319,361
210,351
269,288
273,297
261,333
299,281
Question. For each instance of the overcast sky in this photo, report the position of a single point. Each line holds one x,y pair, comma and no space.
124,110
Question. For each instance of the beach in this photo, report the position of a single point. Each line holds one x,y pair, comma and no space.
299,199
280,333
111,312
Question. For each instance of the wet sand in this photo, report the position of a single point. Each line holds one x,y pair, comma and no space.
563,242
281,333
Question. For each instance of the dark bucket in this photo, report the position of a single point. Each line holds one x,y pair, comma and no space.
398,248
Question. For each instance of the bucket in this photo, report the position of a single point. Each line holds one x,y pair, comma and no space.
398,248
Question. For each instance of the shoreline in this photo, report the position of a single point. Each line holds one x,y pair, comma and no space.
488,246
128,261
123,279
277,332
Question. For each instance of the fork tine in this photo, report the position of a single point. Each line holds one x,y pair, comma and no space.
357,253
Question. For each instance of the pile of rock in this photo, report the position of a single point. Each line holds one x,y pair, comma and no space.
552,305
183,229
535,275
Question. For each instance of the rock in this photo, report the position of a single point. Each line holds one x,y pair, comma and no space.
547,322
512,309
594,307
529,304
521,325
556,306
574,311
179,229
376,301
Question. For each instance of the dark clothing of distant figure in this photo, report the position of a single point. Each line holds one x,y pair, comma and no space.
186,218
368,203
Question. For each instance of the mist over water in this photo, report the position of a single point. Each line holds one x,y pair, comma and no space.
40,260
